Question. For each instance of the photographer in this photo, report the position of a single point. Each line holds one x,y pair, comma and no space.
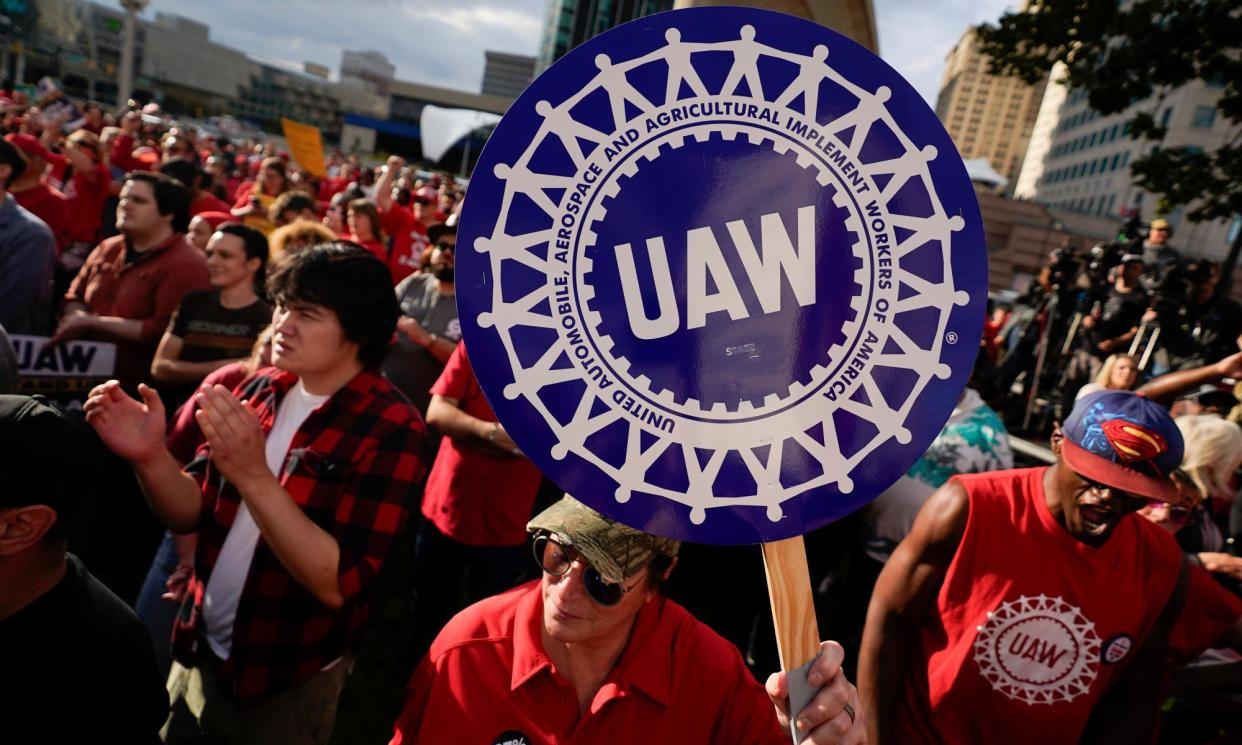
1114,322
1199,328
1158,255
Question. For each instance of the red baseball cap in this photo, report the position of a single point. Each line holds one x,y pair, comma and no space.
28,144
216,219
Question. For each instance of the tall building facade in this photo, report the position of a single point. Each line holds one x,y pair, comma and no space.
1083,165
987,116
568,23
506,74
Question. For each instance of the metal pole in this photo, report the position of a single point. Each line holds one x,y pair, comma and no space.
1151,347
1138,338
125,84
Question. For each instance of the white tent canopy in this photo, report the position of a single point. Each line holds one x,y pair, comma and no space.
442,128
981,171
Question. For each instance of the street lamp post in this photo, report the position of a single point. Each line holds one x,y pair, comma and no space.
125,86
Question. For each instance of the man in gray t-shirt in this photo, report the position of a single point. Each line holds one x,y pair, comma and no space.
428,330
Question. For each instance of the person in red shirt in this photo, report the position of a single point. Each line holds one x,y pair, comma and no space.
594,653
86,192
478,497
1034,605
122,153
364,228
409,234
191,176
130,284
32,191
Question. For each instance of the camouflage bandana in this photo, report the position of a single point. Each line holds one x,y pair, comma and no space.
617,551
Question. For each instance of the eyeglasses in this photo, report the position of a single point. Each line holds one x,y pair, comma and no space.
556,559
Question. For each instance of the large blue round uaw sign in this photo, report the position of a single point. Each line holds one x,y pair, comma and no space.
721,274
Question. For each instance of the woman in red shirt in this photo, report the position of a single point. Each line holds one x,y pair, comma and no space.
364,228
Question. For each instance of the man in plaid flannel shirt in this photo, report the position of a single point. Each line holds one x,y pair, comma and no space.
308,472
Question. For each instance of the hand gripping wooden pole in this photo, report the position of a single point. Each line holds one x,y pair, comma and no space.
793,615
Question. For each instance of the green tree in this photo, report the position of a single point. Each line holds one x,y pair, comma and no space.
1121,53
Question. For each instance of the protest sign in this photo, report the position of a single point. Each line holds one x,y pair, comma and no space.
305,145
64,373
722,275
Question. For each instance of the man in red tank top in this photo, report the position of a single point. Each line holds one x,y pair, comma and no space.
1031,606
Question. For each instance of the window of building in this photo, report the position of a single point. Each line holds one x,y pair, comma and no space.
1167,117
1204,117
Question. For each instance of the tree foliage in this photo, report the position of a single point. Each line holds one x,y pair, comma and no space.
1119,54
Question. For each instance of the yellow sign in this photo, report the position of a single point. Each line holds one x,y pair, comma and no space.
306,146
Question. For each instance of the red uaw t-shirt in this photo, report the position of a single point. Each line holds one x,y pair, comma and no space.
471,496
1032,626
409,238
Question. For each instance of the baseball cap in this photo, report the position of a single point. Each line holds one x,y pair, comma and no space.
1125,441
616,550
49,457
1212,395
28,144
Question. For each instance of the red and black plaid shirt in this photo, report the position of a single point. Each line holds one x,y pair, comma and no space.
355,469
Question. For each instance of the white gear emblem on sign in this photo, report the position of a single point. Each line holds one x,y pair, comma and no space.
1039,650
761,428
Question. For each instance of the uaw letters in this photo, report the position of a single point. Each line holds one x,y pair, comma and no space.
781,250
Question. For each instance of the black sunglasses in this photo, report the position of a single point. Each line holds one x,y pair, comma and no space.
556,559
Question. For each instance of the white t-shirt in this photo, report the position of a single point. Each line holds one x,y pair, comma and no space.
228,577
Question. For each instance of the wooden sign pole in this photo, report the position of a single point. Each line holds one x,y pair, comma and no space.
793,613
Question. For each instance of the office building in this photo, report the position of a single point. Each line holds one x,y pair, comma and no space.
1082,166
568,23
506,74
988,116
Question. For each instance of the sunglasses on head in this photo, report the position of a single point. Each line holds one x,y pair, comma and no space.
555,559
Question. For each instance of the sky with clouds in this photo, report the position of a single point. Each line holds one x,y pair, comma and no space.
441,42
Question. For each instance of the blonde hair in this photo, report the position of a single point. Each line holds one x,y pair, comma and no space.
1104,376
1213,451
299,232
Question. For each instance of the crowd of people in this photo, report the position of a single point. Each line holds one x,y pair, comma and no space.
294,411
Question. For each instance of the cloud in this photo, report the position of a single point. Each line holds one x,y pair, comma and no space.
916,36
429,41
441,42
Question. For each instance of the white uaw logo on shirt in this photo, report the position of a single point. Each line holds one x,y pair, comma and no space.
1040,650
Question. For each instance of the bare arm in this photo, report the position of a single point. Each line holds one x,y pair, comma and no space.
903,594
447,417
437,346
383,187
167,368
1167,387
